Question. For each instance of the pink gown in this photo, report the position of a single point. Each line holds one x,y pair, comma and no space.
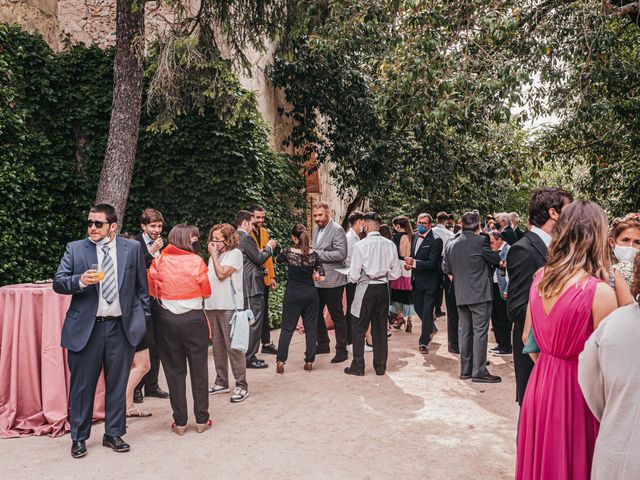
557,431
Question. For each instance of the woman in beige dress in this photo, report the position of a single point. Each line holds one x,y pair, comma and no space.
609,377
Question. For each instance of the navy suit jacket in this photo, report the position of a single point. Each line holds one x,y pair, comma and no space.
133,291
426,275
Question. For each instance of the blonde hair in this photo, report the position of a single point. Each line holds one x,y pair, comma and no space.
580,243
319,205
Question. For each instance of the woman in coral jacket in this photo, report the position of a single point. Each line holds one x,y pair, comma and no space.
178,281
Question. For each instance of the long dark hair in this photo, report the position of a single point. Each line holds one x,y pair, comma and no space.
299,232
404,223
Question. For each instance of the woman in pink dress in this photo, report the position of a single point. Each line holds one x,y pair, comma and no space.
568,299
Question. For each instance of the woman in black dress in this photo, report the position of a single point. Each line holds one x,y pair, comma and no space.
300,296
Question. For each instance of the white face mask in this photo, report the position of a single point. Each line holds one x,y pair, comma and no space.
625,254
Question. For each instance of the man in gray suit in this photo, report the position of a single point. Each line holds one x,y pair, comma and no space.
330,243
253,279
469,261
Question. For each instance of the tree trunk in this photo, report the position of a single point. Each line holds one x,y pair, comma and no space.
117,169
357,200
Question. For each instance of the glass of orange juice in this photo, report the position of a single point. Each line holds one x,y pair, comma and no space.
99,275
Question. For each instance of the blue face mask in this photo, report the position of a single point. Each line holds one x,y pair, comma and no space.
422,229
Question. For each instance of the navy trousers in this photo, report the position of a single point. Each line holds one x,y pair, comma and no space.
107,348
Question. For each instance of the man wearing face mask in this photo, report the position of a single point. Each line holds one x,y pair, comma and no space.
524,259
424,263
107,278
253,277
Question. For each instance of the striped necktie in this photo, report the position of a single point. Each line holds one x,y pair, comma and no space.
109,283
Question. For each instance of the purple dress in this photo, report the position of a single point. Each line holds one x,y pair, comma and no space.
557,431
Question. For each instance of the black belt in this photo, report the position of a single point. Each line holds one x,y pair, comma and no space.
108,319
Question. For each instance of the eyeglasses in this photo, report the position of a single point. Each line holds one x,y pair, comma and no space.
97,223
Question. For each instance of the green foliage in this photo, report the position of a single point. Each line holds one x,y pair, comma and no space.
54,120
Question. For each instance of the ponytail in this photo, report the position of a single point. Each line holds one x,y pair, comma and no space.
300,233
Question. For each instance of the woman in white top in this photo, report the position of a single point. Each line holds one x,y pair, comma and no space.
609,377
225,275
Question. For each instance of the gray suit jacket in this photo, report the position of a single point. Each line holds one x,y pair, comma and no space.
133,291
332,250
253,275
469,259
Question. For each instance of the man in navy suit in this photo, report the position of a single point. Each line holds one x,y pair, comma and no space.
424,263
104,323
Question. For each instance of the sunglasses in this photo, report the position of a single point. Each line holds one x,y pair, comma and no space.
97,223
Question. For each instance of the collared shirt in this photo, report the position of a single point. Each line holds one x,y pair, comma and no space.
546,238
441,232
148,242
419,240
352,239
321,232
377,257
104,309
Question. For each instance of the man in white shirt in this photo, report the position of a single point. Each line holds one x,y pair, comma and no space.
150,237
107,278
525,257
373,264
356,221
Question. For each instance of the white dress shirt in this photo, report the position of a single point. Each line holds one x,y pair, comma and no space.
352,239
546,238
444,234
148,242
377,257
104,309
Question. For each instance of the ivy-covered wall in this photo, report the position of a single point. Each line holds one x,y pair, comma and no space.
54,120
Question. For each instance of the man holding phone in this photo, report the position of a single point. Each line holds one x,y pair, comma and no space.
151,224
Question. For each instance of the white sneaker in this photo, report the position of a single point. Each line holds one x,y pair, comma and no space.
218,389
239,395
367,348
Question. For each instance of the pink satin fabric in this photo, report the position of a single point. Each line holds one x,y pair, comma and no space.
34,377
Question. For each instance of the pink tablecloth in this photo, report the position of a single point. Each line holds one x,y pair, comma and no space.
34,377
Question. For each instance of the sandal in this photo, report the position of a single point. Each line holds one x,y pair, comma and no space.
398,325
136,412
177,429
408,327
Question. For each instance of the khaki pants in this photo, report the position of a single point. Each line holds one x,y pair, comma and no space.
222,352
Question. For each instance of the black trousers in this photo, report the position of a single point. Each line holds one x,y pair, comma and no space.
500,320
350,288
452,311
522,362
150,380
424,303
266,328
439,297
107,348
299,300
374,310
332,298
184,339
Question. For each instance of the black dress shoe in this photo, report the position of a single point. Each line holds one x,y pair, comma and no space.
454,349
349,371
115,443
320,349
488,378
137,396
440,313
340,358
270,348
78,449
257,364
157,392
465,377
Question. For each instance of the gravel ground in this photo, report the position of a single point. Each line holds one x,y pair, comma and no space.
417,422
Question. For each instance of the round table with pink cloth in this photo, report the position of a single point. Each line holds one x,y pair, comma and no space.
34,377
